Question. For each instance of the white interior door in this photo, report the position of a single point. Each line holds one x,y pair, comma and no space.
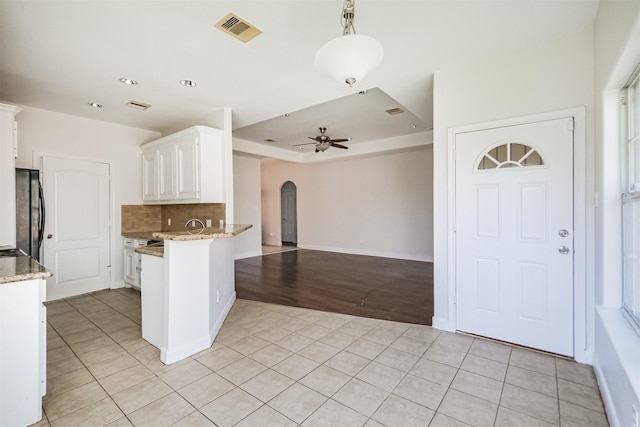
76,241
514,234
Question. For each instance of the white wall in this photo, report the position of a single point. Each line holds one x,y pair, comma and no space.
616,361
61,134
548,77
379,205
247,206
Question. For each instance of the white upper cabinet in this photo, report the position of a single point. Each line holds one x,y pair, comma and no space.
167,188
188,170
149,176
185,167
8,152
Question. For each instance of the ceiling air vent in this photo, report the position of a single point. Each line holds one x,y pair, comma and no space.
238,28
138,105
394,111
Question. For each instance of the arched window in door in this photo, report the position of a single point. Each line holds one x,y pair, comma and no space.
289,215
509,155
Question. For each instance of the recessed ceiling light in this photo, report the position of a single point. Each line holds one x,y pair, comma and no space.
128,81
94,104
188,83
414,126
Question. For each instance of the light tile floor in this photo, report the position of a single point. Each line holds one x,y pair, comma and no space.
283,366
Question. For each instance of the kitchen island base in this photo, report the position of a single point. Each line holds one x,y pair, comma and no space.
187,295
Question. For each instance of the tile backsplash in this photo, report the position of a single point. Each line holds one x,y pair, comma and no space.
180,214
141,218
137,218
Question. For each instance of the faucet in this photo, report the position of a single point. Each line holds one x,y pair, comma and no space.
192,221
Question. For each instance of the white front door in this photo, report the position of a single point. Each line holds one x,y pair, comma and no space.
76,241
514,234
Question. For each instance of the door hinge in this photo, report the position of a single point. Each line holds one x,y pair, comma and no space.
623,100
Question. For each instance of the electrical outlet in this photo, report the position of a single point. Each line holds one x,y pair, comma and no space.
168,221
208,223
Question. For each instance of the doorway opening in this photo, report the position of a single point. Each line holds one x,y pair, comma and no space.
289,214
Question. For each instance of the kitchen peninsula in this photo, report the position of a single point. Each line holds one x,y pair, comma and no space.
188,289
22,340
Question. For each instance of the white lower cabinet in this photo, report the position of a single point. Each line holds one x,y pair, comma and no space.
185,167
132,262
22,352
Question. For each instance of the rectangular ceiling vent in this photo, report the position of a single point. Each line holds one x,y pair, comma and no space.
238,28
394,111
138,105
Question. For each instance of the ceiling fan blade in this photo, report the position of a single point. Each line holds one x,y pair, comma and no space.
315,139
339,146
306,143
340,140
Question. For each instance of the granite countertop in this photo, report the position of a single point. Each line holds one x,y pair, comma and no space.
228,230
18,269
140,235
151,250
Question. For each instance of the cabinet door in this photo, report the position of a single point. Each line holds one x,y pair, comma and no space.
188,173
130,264
167,172
138,276
149,176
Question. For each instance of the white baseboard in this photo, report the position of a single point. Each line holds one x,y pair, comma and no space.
248,255
442,324
410,257
217,324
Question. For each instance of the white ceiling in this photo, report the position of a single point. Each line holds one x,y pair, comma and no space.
60,55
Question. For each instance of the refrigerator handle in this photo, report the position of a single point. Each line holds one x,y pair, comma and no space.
42,217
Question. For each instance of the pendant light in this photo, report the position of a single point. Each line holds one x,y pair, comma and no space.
351,56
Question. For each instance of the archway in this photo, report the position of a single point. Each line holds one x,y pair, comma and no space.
289,214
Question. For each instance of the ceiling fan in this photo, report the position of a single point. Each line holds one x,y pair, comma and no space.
323,142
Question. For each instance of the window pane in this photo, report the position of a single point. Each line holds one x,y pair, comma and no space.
634,165
631,257
510,155
633,102
631,204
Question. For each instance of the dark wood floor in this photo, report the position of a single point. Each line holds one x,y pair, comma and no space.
381,288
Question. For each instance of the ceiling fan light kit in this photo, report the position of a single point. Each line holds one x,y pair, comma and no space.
351,56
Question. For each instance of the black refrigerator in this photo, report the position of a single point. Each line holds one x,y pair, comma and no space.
30,213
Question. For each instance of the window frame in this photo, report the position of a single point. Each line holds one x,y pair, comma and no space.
630,196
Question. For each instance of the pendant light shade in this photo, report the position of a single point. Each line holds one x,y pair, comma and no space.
349,58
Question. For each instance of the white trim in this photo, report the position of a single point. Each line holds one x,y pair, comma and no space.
410,257
582,187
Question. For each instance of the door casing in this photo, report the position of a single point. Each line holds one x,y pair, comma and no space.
583,280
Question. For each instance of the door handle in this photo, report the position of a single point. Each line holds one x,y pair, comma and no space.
49,236
563,233
563,250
